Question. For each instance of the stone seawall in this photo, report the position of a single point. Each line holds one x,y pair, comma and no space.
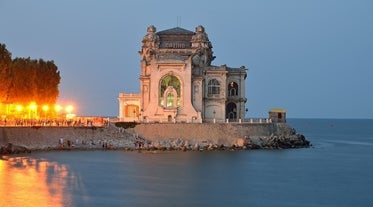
218,133
152,136
44,138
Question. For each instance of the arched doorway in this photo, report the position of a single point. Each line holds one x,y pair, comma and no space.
231,111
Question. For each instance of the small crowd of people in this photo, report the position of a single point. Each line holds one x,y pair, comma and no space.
68,144
52,122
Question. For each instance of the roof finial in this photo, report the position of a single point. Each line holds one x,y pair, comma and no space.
178,21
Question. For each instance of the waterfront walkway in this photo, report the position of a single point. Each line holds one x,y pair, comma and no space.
106,121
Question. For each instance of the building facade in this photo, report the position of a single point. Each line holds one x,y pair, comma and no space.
179,84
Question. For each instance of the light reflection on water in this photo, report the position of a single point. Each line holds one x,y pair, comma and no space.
30,182
334,173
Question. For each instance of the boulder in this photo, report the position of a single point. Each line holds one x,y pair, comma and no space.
13,149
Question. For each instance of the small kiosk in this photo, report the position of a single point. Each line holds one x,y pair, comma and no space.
277,115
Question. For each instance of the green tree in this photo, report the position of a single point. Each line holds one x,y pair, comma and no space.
23,87
5,69
47,79
23,80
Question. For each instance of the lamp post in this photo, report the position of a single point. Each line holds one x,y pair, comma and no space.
19,109
246,113
45,108
57,109
32,110
69,116
69,109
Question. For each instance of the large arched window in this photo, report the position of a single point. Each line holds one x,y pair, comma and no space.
213,87
232,89
170,80
169,91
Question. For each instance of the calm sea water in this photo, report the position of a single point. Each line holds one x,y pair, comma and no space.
336,171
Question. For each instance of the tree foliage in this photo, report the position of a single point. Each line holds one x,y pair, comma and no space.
27,80
5,67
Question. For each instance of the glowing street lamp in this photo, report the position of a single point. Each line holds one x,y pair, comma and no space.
57,108
32,109
69,110
33,106
45,109
19,108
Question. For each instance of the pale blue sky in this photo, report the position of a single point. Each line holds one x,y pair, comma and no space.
312,57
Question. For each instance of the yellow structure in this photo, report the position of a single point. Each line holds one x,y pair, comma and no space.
277,115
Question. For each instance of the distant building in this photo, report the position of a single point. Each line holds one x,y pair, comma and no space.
179,84
277,115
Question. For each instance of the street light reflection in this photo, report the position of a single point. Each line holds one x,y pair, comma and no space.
31,182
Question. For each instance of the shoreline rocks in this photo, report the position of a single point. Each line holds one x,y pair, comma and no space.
154,137
13,149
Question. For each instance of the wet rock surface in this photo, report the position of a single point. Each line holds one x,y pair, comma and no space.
13,149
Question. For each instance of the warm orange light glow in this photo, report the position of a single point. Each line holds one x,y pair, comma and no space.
70,116
69,109
19,108
32,184
36,111
33,106
45,107
57,108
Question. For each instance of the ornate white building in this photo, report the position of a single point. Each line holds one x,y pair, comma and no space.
179,84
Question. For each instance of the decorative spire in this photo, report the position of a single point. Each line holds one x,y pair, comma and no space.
200,41
150,43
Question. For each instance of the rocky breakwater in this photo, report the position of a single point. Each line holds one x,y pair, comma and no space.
284,139
222,136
